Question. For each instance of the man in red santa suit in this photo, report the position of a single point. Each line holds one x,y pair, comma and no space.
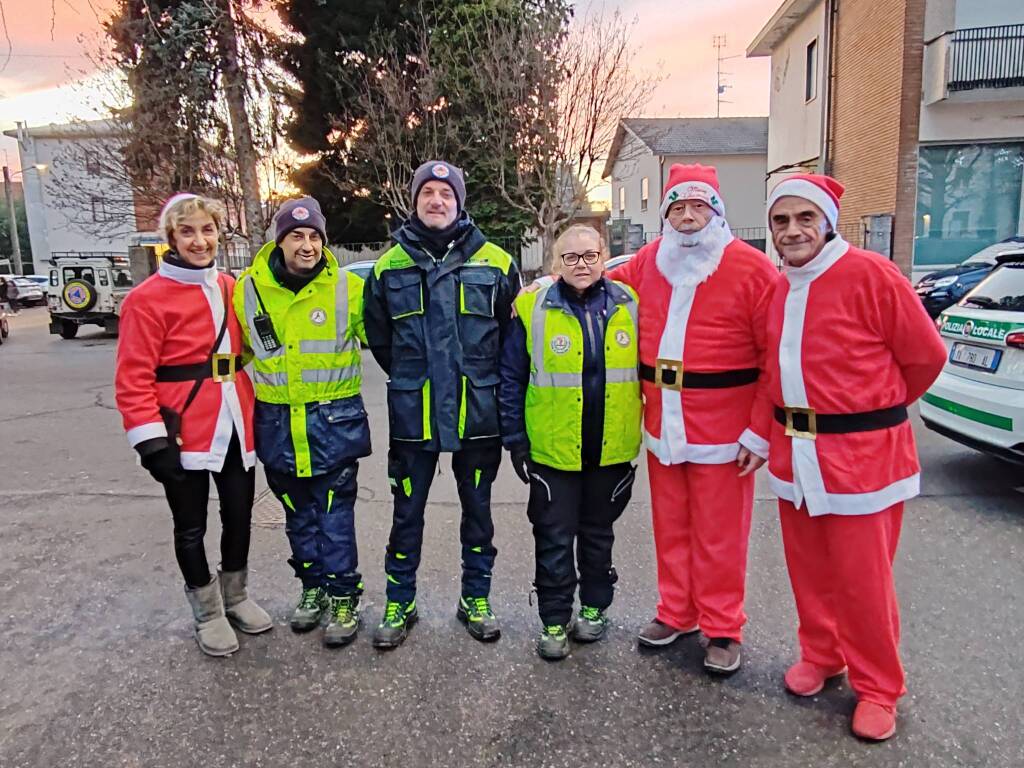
850,347
703,298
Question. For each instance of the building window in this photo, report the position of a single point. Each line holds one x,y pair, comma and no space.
99,210
92,163
622,201
644,193
811,71
968,197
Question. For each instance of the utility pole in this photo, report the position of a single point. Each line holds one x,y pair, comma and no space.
15,243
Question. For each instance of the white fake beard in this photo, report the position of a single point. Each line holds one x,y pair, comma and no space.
688,259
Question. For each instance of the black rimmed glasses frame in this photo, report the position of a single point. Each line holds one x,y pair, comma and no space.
571,259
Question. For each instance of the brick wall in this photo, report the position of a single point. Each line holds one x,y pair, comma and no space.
875,107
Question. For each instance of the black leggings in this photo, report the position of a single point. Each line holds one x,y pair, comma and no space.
188,500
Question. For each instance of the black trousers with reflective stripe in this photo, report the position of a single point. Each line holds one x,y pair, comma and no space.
575,509
410,472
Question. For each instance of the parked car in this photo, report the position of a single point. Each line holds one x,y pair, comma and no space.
23,291
5,329
361,268
946,287
87,290
41,280
618,261
978,399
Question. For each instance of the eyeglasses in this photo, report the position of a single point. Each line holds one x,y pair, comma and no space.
589,258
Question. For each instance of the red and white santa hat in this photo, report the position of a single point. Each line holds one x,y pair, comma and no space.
171,201
692,182
823,191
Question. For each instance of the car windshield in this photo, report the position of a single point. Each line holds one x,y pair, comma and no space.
122,278
1002,290
79,273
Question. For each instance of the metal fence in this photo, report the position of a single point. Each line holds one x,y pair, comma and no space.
987,57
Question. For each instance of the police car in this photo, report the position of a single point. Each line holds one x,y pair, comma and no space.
978,399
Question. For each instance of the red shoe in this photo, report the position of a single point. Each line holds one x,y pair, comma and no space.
806,679
873,722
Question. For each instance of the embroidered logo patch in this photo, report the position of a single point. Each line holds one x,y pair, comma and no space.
622,338
300,213
440,171
561,344
317,316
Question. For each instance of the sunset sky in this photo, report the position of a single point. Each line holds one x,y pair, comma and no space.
47,78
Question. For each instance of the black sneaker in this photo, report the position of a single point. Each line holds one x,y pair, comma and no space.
591,625
395,625
553,643
344,622
480,621
311,607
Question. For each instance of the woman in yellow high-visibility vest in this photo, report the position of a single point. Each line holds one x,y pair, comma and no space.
570,409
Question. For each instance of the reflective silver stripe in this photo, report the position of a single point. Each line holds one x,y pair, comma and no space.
537,328
621,375
330,375
270,379
252,308
545,379
341,312
313,346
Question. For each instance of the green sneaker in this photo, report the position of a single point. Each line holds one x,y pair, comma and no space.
591,625
344,623
311,607
553,643
394,627
480,621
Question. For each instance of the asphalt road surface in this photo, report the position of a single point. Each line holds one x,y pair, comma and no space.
98,666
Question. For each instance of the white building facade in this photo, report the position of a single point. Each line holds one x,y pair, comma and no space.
645,149
71,195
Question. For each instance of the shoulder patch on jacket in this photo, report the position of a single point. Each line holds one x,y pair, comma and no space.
394,258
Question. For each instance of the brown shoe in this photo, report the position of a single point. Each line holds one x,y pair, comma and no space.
658,634
722,656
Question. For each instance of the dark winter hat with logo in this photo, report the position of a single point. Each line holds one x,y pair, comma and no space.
439,170
304,212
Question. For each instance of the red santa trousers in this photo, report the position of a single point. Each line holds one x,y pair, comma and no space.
840,567
701,529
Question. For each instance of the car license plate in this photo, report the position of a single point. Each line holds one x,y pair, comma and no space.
970,356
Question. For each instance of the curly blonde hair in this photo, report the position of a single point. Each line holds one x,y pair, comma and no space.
180,207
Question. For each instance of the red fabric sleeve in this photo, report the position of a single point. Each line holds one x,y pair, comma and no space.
141,336
913,338
629,273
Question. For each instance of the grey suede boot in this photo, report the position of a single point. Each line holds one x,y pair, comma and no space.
241,610
212,630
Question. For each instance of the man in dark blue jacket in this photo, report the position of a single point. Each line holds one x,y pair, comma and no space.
436,307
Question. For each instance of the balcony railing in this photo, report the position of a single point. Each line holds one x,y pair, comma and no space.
986,57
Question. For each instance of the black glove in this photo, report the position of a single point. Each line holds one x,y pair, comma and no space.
521,464
160,461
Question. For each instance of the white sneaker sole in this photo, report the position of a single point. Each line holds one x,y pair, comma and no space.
720,670
668,640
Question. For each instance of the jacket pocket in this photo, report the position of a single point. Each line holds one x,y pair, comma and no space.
338,432
405,294
478,411
478,327
409,408
273,436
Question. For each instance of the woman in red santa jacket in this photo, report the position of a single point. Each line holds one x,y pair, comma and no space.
850,347
178,363
703,298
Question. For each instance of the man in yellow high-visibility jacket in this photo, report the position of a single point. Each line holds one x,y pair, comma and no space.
302,317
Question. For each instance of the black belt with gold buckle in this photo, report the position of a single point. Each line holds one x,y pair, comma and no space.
669,374
217,367
807,423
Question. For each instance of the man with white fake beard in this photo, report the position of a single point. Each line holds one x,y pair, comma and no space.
703,297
